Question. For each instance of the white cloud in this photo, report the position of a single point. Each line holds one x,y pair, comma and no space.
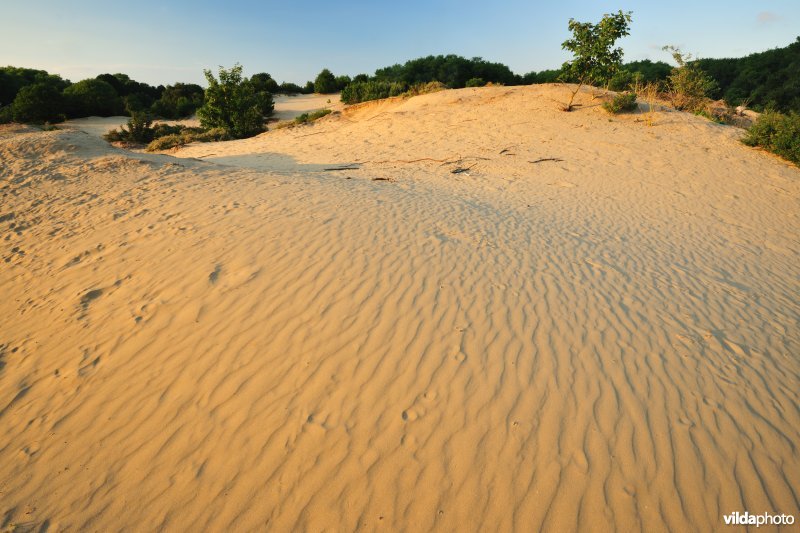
766,17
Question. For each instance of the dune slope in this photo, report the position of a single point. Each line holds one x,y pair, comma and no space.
233,337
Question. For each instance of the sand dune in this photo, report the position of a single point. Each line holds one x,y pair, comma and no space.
234,338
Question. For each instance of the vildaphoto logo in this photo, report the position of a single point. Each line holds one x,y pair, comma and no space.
764,519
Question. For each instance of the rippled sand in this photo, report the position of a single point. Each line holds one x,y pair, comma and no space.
232,337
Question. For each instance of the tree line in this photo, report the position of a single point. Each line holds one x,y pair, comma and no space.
36,96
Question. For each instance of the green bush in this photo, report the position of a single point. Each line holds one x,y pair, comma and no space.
186,135
371,90
305,118
232,103
689,86
778,133
93,97
325,82
178,101
425,88
6,115
166,142
621,102
140,130
38,103
475,82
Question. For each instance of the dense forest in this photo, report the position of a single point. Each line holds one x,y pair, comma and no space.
764,80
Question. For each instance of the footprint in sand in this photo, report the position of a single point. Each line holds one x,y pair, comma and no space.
214,276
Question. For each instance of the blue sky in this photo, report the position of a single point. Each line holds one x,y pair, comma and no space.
164,42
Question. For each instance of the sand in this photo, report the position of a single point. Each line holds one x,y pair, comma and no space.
231,337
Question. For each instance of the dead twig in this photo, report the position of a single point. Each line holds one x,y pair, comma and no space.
546,159
459,170
349,167
507,151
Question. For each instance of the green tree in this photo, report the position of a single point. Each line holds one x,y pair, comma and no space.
93,97
263,82
231,103
595,60
325,82
38,103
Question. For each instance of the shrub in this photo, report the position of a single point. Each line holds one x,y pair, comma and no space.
265,103
231,103
93,97
166,142
777,133
6,114
311,117
371,90
621,102
475,82
139,130
594,59
425,88
38,103
325,82
689,86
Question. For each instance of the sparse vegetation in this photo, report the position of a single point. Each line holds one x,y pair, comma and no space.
595,61
621,102
475,82
777,132
187,135
425,88
305,118
649,93
689,86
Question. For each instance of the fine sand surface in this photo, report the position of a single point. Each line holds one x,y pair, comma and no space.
231,338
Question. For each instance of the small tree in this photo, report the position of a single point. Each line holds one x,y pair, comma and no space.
595,60
325,82
231,103
689,85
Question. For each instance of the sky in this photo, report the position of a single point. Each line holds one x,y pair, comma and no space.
161,42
